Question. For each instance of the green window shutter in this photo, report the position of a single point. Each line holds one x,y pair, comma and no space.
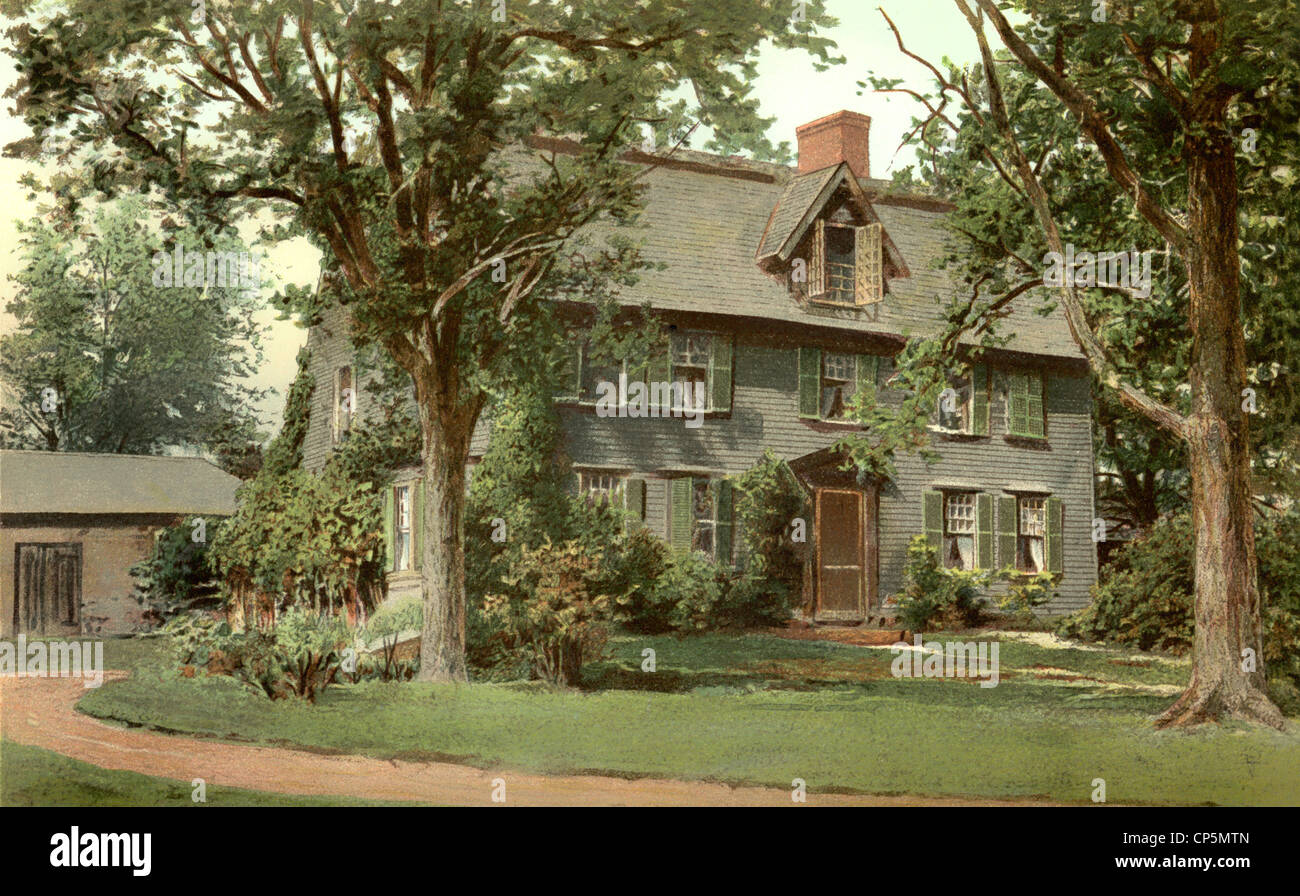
984,531
570,386
659,368
980,399
417,522
1018,404
388,525
682,520
868,370
817,264
1034,420
634,498
1055,526
720,374
1007,530
932,518
810,382
722,534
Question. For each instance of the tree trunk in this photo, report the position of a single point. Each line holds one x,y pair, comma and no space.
445,451
1228,679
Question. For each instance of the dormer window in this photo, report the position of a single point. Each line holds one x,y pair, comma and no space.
846,267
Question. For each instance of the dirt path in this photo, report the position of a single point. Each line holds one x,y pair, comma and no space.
41,712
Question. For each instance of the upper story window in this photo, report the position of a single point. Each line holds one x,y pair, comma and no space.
839,375
691,354
1026,408
828,380
702,361
955,407
345,402
847,264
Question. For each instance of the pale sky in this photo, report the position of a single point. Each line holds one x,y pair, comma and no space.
788,88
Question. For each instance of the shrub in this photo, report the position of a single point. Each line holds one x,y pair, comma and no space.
299,657
384,626
549,610
935,596
1146,596
768,500
1026,592
179,575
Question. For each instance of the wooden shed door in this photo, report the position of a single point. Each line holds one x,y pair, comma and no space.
841,555
48,588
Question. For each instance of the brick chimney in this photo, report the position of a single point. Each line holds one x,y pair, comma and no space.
841,137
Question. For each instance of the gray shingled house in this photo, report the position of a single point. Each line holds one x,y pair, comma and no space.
72,525
785,289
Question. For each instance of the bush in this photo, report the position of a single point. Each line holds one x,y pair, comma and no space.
768,500
1146,596
179,575
550,611
384,626
1026,592
934,596
300,657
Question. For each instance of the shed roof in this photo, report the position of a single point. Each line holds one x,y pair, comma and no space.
72,482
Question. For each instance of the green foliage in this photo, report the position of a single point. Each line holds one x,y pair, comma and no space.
285,451
1026,592
933,596
302,539
299,657
768,500
1145,596
385,626
549,608
178,575
102,359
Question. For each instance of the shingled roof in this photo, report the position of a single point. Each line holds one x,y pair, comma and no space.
71,482
708,220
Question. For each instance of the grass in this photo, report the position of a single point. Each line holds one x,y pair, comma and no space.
760,709
31,776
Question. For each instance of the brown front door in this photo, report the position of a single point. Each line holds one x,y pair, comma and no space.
841,555
48,592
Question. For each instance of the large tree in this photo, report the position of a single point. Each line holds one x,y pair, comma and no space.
104,357
1126,126
444,154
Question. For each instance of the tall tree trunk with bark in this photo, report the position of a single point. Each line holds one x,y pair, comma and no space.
445,435
1228,678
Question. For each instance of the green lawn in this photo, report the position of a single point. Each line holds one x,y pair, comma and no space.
30,776
758,709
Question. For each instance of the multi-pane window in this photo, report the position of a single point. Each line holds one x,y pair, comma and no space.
401,527
1031,535
606,488
690,360
837,384
839,265
706,519
955,407
345,402
959,530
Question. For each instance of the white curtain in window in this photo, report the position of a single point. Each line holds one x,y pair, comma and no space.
1036,552
966,546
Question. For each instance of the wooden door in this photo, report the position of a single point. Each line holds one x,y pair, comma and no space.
841,555
47,588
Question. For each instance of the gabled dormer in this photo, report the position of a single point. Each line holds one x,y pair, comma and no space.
824,238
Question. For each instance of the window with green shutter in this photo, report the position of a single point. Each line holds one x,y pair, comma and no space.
1055,532
722,523
388,525
1025,407
417,523
980,399
932,518
680,518
720,375
1006,530
810,383
634,494
983,531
